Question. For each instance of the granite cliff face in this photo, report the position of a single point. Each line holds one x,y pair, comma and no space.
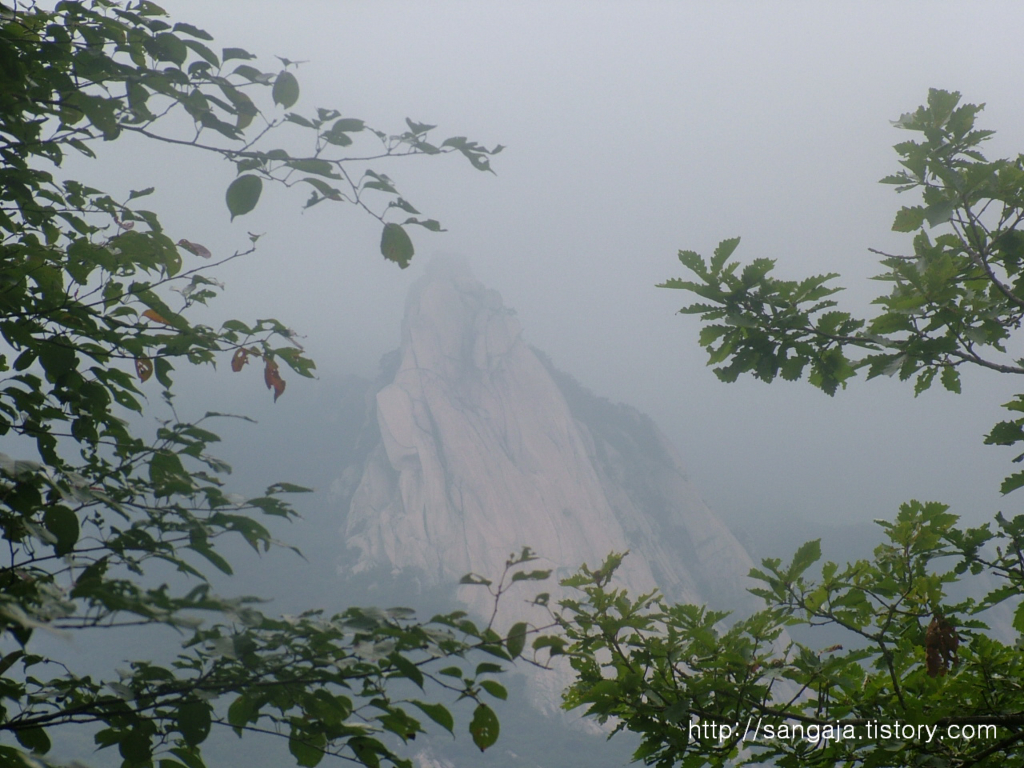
476,446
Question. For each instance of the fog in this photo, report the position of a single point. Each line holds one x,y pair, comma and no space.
632,130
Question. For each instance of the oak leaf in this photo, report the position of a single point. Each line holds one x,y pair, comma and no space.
941,643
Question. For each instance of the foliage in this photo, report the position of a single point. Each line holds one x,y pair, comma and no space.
925,678
95,313
954,302
701,694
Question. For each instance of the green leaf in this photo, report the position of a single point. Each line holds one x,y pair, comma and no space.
496,689
242,712
722,253
189,757
951,379
808,554
136,746
516,639
438,713
9,660
908,219
194,721
404,205
338,133
432,224
218,562
288,488
298,119
194,31
286,89
348,124
253,75
1018,618
58,359
323,188
396,245
408,670
63,524
1012,483
531,575
319,167
418,128
939,213
236,53
243,194
167,474
941,104
380,181
307,748
484,727
168,47
34,739
1005,433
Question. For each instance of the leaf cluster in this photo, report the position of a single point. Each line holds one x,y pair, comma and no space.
95,71
699,690
915,655
97,310
956,300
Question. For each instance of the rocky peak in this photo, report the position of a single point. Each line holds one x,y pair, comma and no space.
478,447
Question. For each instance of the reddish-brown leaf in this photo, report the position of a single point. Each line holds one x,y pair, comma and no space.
195,248
156,317
941,643
273,378
143,367
241,357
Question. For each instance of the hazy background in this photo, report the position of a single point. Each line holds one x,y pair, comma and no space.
632,130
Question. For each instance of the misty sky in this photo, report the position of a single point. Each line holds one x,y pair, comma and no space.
633,130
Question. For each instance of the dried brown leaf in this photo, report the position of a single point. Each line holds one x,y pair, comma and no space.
195,248
941,643
273,379
240,358
156,317
143,367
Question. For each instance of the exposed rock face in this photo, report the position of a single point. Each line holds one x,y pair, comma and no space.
480,447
